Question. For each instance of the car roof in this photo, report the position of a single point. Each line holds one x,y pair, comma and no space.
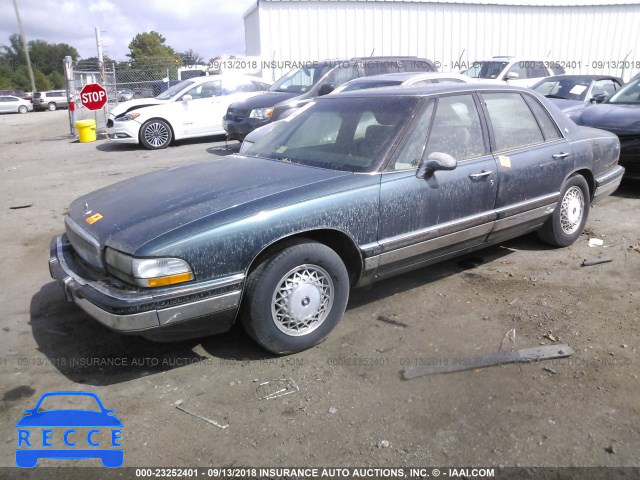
430,90
580,77
404,76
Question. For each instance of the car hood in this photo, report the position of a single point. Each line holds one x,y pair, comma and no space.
139,210
263,100
619,119
567,105
125,107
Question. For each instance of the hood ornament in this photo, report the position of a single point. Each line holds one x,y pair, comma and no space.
86,209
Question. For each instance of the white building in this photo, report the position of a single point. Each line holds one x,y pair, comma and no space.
586,36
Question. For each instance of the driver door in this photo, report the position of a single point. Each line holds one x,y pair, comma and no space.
197,114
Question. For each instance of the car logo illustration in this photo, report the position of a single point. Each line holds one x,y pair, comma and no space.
69,433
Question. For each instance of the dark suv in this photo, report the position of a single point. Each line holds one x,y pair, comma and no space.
306,83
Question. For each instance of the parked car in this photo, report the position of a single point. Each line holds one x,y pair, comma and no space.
11,104
192,108
620,114
401,79
60,446
16,93
572,93
125,94
521,71
298,86
50,100
353,188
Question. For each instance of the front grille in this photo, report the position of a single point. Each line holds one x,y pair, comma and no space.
85,246
237,114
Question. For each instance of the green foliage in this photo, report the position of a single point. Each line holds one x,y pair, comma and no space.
149,46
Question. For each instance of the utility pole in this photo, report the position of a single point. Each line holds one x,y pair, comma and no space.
24,46
100,56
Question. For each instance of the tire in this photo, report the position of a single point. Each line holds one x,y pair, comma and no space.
570,216
22,109
302,315
51,107
155,134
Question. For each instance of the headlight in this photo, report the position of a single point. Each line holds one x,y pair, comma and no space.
261,113
148,272
127,117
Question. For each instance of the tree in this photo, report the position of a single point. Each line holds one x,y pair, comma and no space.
191,58
149,46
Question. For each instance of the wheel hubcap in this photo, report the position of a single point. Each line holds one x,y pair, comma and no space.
156,134
302,300
572,210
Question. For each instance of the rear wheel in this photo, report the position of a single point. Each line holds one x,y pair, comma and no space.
155,134
51,107
570,216
22,109
296,297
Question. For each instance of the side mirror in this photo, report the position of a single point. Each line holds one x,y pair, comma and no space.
436,161
511,76
187,98
326,88
601,97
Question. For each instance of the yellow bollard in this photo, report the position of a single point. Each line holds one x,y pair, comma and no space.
86,130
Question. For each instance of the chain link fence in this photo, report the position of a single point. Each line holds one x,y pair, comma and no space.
105,76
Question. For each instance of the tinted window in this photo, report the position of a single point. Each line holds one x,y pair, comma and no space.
630,93
301,80
456,128
519,68
557,69
546,123
340,134
513,123
341,75
485,69
536,69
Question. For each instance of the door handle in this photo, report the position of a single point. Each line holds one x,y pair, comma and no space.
484,173
560,156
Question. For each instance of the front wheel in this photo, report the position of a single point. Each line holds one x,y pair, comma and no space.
51,107
155,134
570,216
296,297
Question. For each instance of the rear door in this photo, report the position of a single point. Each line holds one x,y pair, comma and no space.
533,160
425,218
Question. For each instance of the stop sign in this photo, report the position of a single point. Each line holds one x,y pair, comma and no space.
93,96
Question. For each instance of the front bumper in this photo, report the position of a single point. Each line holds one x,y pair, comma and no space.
162,314
608,183
124,132
238,129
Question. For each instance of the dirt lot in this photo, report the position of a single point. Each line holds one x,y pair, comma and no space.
352,407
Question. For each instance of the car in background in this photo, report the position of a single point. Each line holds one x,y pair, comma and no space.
620,114
16,93
350,189
296,87
572,93
520,71
192,108
125,94
402,79
11,104
51,100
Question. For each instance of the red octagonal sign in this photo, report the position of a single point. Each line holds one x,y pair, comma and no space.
93,96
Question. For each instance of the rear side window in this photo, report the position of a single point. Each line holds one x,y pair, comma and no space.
513,123
546,123
557,69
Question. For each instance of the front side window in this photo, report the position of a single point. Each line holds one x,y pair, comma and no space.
301,80
513,123
456,128
206,90
488,69
350,134
629,94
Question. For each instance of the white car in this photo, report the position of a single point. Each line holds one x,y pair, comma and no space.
192,108
405,79
11,104
513,70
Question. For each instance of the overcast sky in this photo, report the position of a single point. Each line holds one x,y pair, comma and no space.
209,27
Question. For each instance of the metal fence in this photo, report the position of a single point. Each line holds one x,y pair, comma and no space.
105,76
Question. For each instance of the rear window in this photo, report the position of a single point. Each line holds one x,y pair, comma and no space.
37,95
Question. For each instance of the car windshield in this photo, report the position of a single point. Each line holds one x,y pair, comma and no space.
629,94
565,88
171,92
301,80
489,69
350,134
